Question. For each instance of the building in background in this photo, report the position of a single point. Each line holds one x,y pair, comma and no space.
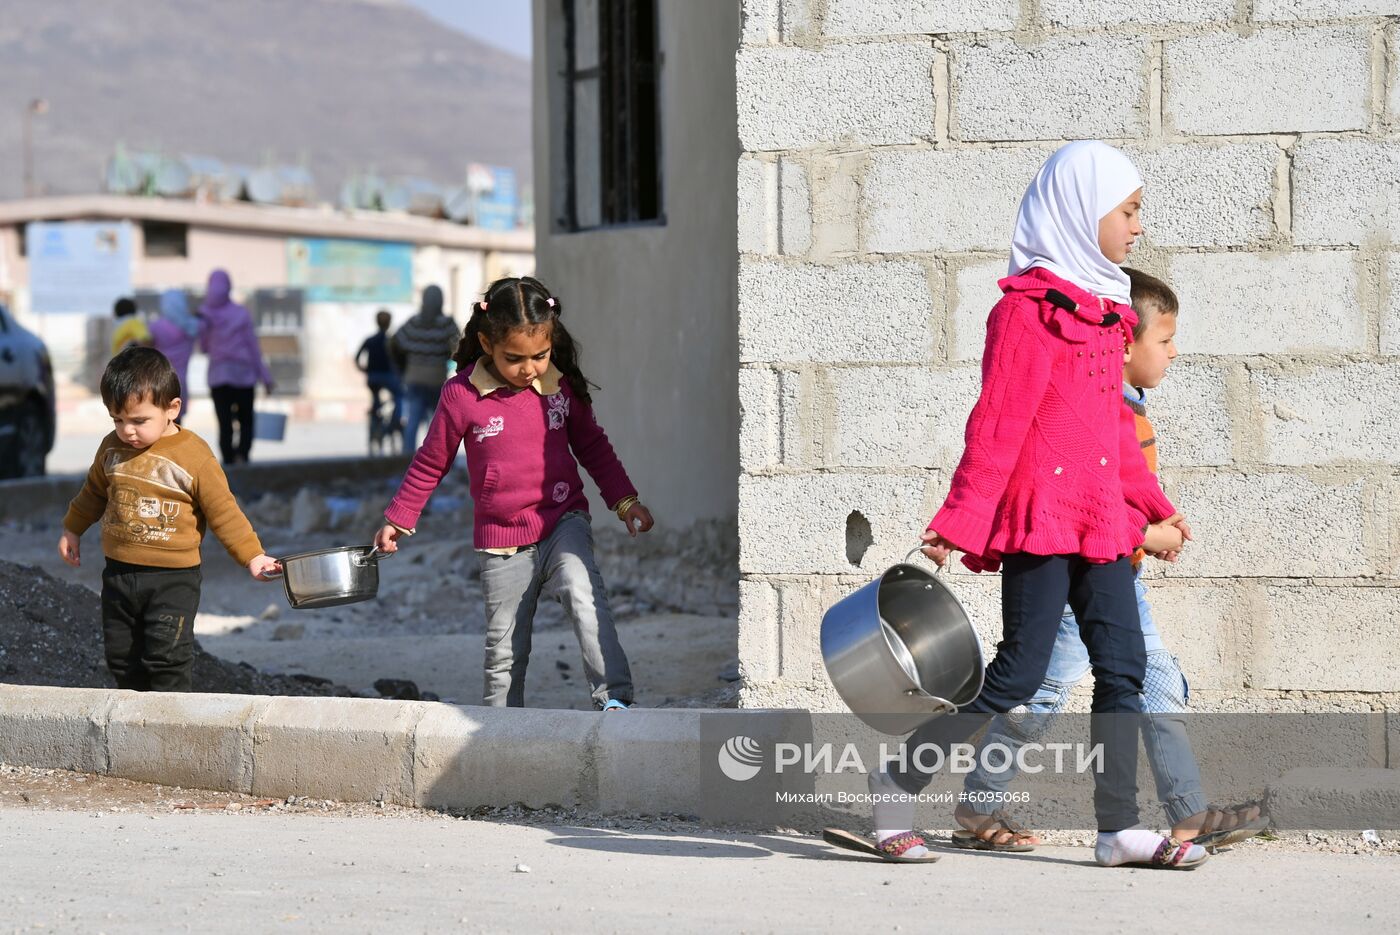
635,155
313,277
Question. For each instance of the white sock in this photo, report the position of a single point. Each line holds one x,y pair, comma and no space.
1134,846
893,809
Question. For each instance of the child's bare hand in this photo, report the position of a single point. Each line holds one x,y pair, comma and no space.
387,539
1161,537
68,548
936,547
262,566
640,516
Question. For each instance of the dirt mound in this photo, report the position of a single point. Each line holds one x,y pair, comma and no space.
51,634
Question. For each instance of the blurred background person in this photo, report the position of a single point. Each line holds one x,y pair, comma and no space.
174,334
236,366
422,347
131,330
375,363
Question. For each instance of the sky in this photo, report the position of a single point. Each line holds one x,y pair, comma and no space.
503,23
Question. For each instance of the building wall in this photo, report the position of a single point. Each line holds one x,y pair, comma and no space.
332,332
653,306
886,147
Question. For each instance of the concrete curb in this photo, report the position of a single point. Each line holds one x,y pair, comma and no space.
643,762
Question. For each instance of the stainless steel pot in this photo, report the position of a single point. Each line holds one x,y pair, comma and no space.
901,650
328,577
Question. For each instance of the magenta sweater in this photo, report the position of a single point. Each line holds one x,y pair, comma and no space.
521,447
1052,464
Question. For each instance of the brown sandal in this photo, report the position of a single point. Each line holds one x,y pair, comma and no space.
998,823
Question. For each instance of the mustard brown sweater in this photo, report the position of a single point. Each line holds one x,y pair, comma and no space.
154,503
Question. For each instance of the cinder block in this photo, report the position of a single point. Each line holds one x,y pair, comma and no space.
1206,626
1322,638
1084,88
836,193
946,200
1272,525
1346,192
1077,14
1282,11
651,764
1273,81
900,417
1390,314
55,728
351,749
195,740
1336,798
894,17
761,22
757,212
850,312
794,209
1252,303
758,630
472,756
1190,412
759,419
975,292
792,98
1324,414
1208,196
797,523
803,602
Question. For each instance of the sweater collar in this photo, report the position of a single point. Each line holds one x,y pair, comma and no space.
486,384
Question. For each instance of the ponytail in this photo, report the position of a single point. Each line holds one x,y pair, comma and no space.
522,302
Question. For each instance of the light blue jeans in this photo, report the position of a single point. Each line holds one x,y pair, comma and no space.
1164,697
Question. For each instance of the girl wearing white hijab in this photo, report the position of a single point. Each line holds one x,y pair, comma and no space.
1053,489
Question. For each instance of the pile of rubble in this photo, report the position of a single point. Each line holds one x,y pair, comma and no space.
51,634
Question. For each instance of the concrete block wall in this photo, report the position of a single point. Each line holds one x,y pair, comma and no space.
886,146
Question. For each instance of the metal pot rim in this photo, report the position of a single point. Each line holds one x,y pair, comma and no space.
340,549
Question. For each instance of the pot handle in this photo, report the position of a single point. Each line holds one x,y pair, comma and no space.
947,706
918,550
374,555
269,576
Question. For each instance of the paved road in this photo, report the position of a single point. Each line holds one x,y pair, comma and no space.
213,873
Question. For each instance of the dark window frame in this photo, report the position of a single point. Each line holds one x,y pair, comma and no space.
173,236
631,183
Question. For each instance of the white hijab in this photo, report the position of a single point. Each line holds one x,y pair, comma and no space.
1057,226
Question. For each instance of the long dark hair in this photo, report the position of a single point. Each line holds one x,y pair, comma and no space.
522,302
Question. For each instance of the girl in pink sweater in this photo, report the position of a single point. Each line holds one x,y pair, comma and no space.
1053,489
521,406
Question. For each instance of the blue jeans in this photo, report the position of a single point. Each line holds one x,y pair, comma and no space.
561,567
1034,591
1164,697
420,402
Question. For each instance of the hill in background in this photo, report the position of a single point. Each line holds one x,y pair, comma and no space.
345,85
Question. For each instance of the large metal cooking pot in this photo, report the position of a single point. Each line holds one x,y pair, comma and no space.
901,650
328,577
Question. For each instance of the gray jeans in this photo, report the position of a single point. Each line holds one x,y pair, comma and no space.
560,567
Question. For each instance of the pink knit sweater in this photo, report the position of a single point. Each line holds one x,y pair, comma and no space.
1052,464
520,457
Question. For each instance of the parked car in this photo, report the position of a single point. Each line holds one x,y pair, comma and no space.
27,415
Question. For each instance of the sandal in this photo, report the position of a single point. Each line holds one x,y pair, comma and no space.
892,849
1170,855
612,704
1213,836
998,823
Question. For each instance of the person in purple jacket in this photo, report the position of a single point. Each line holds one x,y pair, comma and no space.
236,365
174,334
521,405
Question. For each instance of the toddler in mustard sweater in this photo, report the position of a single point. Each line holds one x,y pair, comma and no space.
155,487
